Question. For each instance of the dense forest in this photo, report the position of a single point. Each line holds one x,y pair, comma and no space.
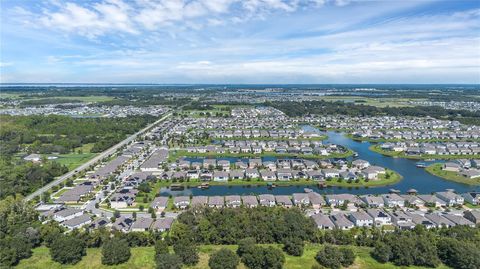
47,134
292,108
250,229
21,135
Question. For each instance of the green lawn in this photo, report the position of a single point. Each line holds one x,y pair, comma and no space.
73,160
436,169
377,149
143,257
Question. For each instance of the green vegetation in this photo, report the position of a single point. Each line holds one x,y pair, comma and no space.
292,108
72,140
436,169
377,148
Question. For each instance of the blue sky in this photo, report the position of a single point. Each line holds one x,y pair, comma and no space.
233,41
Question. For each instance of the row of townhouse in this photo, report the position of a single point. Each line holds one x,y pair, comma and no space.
312,199
255,133
319,149
273,174
415,135
406,220
438,148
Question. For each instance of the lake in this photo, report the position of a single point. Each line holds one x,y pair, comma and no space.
413,177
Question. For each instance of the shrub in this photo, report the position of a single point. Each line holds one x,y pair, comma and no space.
115,251
223,259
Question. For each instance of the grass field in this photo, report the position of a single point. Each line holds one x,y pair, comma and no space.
72,160
143,257
436,169
378,102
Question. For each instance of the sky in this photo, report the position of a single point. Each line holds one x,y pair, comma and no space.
239,41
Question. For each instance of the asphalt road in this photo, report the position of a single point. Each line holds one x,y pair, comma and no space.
102,155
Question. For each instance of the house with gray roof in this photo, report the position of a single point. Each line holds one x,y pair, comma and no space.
316,200
323,222
473,216
380,217
233,201
159,203
283,200
450,198
122,224
200,200
216,201
341,222
249,201
181,202
141,224
361,219
458,220
301,199
66,214
77,222
439,220
266,200
162,224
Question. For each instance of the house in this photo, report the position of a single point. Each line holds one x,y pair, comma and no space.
224,164
361,219
75,194
254,163
472,197
316,200
141,225
341,222
233,201
340,199
459,220
77,222
451,167
432,200
266,200
216,201
283,200
380,217
372,201
450,198
413,200
122,224
209,163
199,201
439,220
360,164
99,222
315,175
393,200
66,214
123,198
252,173
330,173
471,173
193,174
473,216
284,174
220,176
323,222
418,219
181,202
268,175
162,224
237,174
402,220
33,158
301,199
159,203
250,201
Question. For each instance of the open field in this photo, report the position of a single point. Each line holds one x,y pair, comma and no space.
378,102
377,149
143,257
436,169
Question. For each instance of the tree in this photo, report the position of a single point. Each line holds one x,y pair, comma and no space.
329,257
115,251
293,246
263,258
458,254
168,261
381,252
223,259
67,249
335,257
161,247
187,251
245,245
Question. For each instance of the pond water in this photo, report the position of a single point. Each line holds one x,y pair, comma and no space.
413,177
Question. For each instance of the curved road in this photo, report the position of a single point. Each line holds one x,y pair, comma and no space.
102,155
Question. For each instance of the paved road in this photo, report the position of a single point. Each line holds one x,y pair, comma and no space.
102,155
